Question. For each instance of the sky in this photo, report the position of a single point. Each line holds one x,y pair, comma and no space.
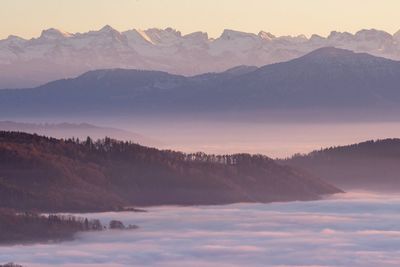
27,18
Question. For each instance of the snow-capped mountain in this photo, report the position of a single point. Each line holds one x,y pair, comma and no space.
56,54
328,82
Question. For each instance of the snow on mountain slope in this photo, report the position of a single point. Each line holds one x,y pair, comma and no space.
56,54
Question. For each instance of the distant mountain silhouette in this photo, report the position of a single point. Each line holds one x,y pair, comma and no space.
326,79
49,174
371,165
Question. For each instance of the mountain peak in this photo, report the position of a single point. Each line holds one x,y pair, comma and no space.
14,37
329,52
373,34
228,34
137,36
339,56
266,35
316,37
340,36
168,30
107,28
197,36
53,34
108,32
160,36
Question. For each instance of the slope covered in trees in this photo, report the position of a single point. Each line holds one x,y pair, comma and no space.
370,165
29,227
49,174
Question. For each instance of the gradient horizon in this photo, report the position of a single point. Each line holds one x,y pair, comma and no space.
27,18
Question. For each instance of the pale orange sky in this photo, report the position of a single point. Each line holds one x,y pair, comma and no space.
26,18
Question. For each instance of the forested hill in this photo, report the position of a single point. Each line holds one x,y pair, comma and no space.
50,174
370,165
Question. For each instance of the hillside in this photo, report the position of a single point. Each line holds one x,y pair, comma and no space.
371,165
30,227
326,81
64,175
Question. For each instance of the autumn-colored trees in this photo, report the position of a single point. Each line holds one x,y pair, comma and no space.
53,175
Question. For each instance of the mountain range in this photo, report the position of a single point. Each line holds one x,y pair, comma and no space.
56,54
325,80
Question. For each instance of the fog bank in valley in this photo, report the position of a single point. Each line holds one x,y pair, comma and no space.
352,229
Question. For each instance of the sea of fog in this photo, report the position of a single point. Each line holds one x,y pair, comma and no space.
352,229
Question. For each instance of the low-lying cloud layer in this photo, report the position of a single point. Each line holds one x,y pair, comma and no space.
348,230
